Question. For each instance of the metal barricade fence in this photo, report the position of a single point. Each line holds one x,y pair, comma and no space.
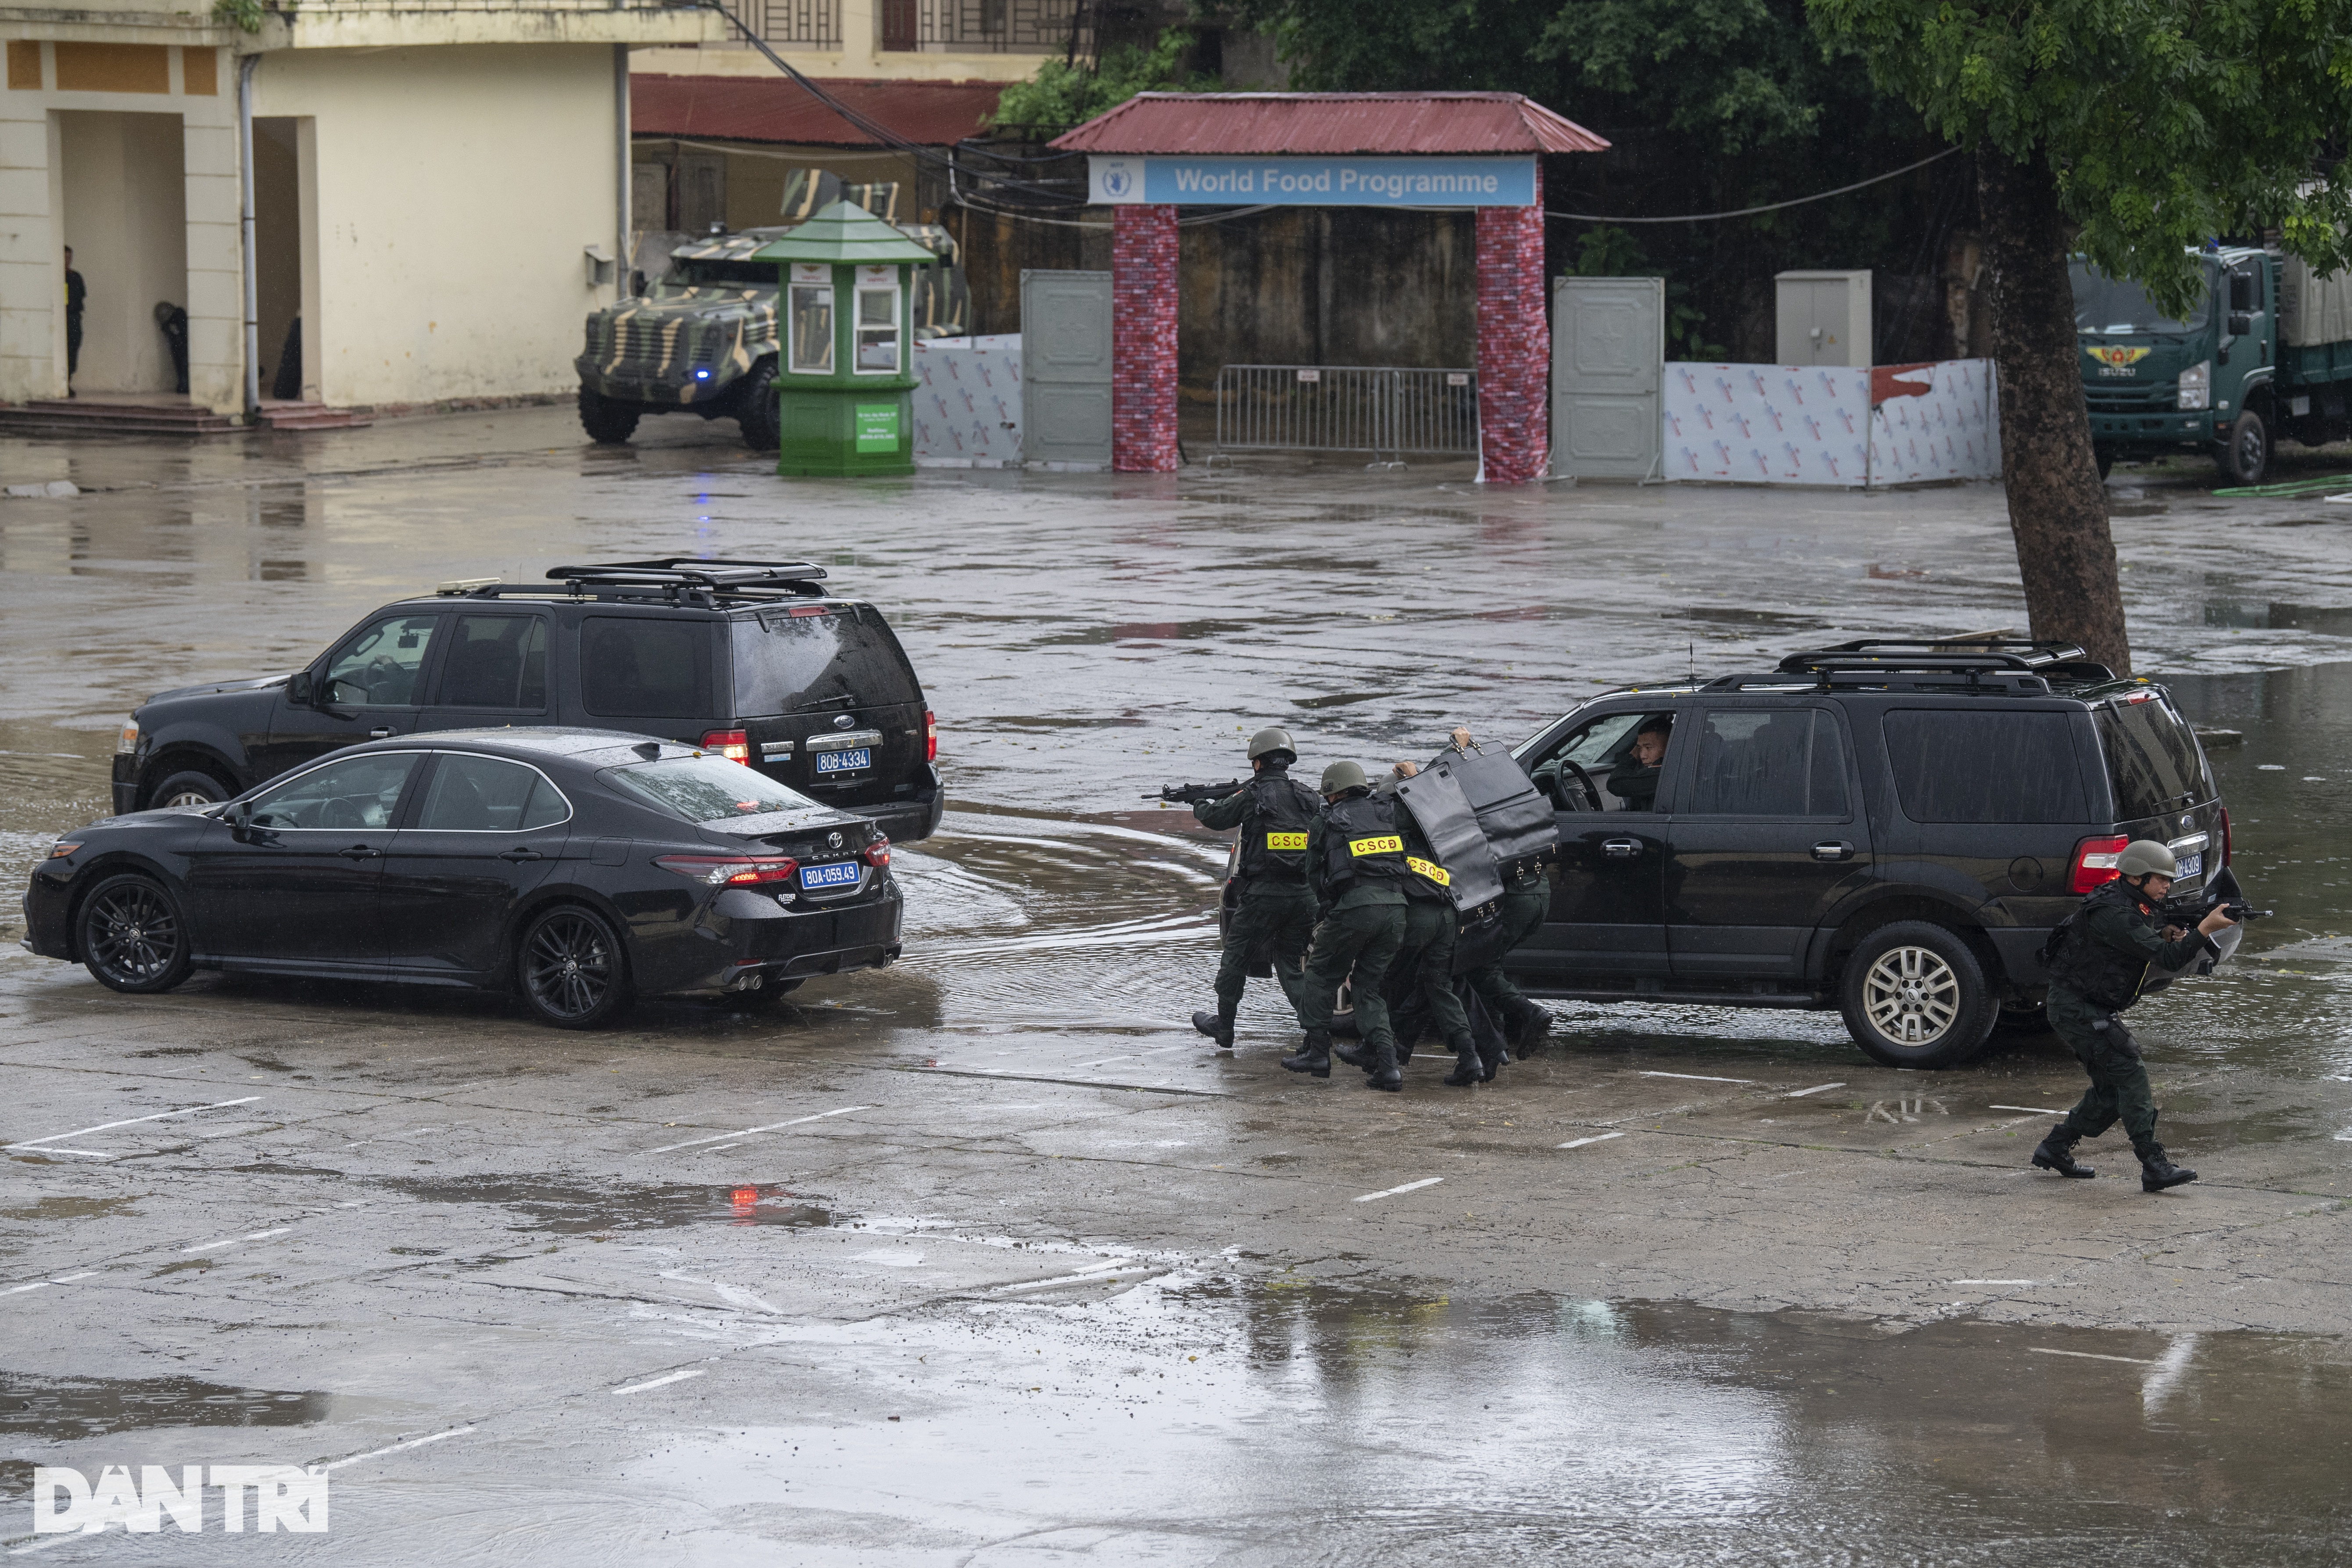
1384,410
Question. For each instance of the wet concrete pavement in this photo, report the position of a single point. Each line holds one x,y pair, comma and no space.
985,1259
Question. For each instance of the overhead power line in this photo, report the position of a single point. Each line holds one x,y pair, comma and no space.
1767,207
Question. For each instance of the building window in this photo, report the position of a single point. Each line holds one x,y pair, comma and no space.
877,321
811,325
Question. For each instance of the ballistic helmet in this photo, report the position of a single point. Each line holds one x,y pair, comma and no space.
2143,855
1271,740
1340,777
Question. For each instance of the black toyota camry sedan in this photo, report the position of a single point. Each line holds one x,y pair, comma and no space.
578,869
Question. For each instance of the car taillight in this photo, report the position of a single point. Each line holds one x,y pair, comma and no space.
877,852
2225,835
930,736
2094,862
735,745
731,870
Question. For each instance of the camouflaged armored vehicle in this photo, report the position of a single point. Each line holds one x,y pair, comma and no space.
702,338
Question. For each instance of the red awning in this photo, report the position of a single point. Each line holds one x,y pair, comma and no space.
776,109
1265,124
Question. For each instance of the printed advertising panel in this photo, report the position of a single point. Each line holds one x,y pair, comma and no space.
1939,421
1826,425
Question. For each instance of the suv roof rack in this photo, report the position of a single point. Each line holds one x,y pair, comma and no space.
688,570
1961,681
2059,664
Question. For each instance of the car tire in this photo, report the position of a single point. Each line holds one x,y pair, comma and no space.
190,786
2246,458
572,969
757,411
609,421
1915,996
133,936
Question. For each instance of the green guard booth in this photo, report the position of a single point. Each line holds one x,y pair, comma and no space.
845,377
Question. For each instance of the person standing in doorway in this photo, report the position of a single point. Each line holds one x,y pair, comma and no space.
77,294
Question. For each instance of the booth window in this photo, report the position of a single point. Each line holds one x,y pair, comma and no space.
877,330
811,329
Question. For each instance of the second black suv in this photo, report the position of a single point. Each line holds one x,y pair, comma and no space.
1888,828
752,659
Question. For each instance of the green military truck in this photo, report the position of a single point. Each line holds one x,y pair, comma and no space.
2265,353
701,339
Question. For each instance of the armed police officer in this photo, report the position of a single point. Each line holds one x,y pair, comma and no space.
1273,911
2101,959
1525,865
1356,867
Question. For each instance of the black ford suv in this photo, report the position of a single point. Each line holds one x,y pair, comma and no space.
752,659
1888,828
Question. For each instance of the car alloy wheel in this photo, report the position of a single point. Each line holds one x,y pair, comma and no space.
1911,995
571,968
186,797
132,936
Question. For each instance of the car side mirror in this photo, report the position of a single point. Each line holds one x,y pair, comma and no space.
239,817
297,687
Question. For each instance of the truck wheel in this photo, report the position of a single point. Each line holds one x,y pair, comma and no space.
2106,463
1913,995
2246,460
756,413
607,420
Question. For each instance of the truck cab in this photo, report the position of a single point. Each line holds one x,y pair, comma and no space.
2263,353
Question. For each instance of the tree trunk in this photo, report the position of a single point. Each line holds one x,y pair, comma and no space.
2057,505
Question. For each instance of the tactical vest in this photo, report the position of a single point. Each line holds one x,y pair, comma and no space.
1362,837
1424,878
1273,834
2103,975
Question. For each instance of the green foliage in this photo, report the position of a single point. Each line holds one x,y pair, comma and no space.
1066,95
2165,122
1608,252
244,14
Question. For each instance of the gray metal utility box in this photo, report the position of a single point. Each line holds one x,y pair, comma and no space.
1824,317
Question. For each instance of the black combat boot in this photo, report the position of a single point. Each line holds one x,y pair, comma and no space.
1468,1069
1491,1057
2056,1153
2156,1171
1314,1057
1528,1029
1217,1027
1384,1072
1359,1054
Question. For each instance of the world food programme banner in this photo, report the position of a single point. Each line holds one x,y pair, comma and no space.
1315,181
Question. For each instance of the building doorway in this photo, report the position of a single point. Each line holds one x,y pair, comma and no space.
286,331
126,220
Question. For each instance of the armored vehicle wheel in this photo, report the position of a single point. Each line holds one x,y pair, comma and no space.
756,411
2246,460
607,419
1913,995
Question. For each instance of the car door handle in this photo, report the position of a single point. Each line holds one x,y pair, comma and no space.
360,852
380,734
1621,848
518,856
1833,849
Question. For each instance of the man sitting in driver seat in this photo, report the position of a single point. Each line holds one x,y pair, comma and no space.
1634,781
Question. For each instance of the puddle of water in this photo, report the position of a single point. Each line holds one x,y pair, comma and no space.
62,1409
573,1210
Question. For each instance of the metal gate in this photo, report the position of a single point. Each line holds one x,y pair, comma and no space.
1065,368
1608,358
1380,409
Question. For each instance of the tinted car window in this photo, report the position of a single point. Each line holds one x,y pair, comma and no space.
706,789
1952,766
496,662
2153,758
640,669
788,658
484,794
1770,762
359,792
378,667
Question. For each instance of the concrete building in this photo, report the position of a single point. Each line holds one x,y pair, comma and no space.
431,190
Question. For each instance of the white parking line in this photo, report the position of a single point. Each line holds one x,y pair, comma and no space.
133,1121
2090,1355
1697,1077
1581,1142
1408,1187
2036,1110
1992,1281
1081,1276
747,1131
233,1240
61,1149
396,1448
1801,1093
659,1382
20,1289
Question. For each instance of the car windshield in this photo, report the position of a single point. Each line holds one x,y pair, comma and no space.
2120,307
788,658
2153,758
707,790
684,277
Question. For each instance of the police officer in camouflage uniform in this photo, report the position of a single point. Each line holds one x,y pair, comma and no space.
1355,865
2104,954
1275,909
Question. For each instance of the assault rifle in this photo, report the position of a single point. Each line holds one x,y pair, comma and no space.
2188,909
1194,795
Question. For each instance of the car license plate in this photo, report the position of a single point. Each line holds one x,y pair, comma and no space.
840,874
2192,866
844,761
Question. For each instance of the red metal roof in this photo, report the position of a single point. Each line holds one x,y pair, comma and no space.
1261,124
775,108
